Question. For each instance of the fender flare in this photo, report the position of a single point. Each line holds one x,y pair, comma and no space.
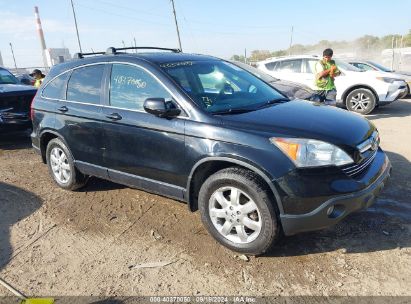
248,165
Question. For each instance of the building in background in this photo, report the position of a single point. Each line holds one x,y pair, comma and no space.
57,55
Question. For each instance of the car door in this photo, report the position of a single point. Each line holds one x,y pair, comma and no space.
308,74
78,118
289,69
142,149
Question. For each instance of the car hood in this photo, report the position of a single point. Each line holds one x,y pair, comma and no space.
10,88
304,119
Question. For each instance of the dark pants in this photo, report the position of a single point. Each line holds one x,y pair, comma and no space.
327,97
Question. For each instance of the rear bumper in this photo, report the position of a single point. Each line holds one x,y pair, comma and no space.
335,209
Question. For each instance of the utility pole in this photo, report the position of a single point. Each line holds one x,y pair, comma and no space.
401,46
41,36
245,55
291,39
392,48
11,47
175,19
135,44
75,22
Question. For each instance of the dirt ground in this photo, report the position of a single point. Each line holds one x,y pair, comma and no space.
91,242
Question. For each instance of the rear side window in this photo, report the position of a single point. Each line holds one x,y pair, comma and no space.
56,89
131,86
310,66
85,84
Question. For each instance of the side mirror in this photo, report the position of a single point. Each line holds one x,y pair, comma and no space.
159,107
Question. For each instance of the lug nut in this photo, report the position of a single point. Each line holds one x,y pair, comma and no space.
231,208
238,212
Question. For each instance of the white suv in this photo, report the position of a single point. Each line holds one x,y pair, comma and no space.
356,90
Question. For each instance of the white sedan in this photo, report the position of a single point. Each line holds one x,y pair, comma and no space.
357,90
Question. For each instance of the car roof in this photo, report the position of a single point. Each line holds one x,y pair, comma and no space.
272,59
154,57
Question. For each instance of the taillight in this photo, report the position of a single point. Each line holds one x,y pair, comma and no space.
31,108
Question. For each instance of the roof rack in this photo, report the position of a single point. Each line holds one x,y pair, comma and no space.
112,50
81,55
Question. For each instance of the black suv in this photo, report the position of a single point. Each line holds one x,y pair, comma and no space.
202,130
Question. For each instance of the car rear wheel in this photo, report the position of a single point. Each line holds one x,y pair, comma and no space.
237,210
61,166
362,101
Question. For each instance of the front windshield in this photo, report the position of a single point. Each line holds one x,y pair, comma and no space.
219,86
346,66
7,78
380,67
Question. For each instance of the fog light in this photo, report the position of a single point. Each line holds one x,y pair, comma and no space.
330,210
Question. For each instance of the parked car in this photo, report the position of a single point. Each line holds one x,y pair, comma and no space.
368,65
356,90
15,99
292,90
254,163
25,79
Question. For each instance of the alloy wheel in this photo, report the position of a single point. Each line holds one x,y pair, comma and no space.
235,215
60,165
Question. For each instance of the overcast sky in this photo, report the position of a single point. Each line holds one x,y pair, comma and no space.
217,27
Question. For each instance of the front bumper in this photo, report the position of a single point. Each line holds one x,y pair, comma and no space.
335,209
394,92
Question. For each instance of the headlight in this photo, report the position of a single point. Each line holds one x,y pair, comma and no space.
311,153
389,80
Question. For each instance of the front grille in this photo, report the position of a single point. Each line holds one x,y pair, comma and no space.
356,169
368,150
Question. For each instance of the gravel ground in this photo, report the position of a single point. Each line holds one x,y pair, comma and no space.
91,242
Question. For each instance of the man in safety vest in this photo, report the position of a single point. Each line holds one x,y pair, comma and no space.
38,76
325,72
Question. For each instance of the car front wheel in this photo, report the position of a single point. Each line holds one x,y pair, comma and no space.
362,101
238,211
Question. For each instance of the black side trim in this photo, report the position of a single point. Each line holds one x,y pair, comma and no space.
89,169
147,184
131,180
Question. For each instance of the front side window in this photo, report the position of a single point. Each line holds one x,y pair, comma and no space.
219,86
271,66
7,78
131,86
56,89
85,84
293,66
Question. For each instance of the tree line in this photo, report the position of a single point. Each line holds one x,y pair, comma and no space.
366,45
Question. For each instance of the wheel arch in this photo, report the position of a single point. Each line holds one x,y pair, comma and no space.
355,87
45,137
210,165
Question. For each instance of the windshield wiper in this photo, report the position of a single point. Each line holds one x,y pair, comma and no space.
233,111
273,101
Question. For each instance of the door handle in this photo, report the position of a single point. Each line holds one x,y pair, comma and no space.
63,109
114,116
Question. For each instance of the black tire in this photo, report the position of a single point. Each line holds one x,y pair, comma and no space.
361,101
76,179
255,189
